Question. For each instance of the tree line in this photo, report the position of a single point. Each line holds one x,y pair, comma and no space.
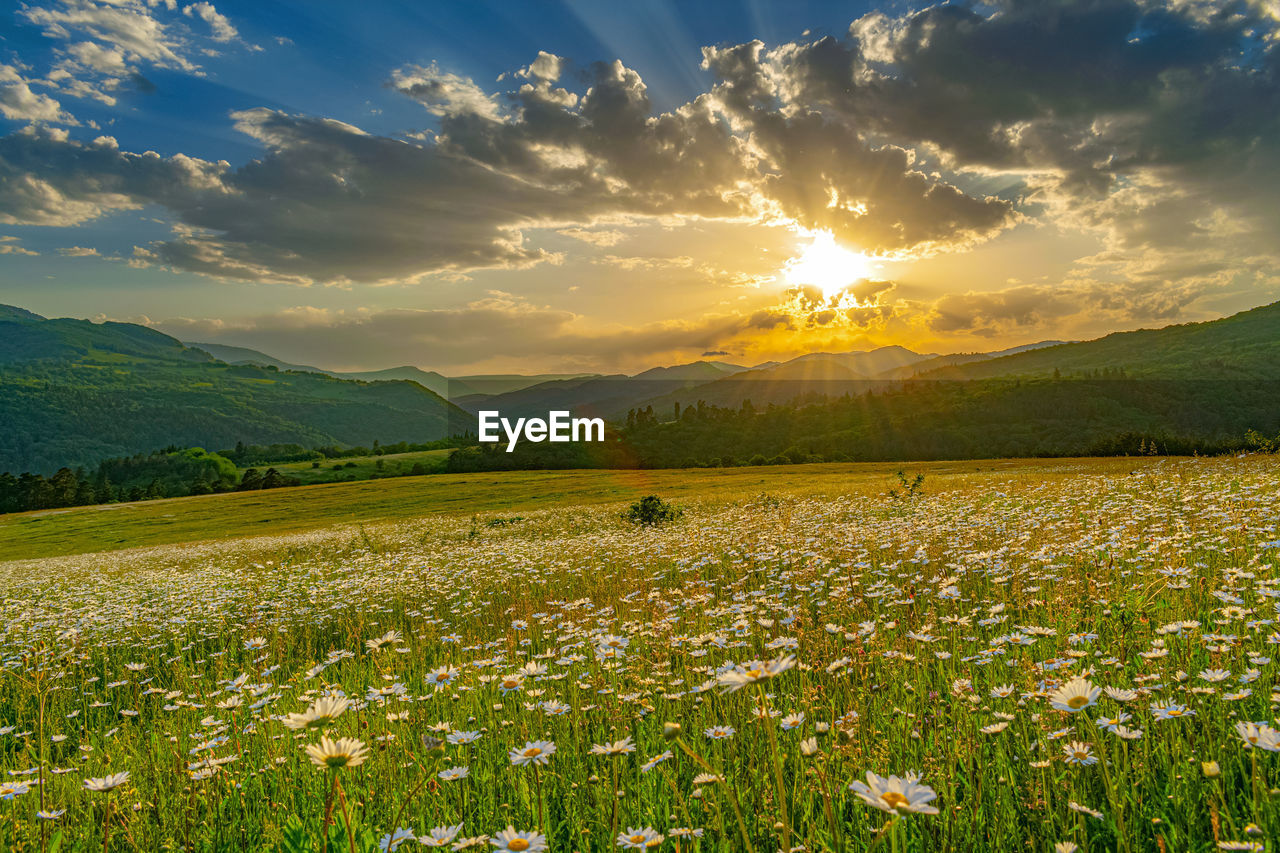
168,473
923,421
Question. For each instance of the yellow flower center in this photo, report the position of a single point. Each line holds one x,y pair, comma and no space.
753,673
530,753
1077,702
894,800
518,844
636,839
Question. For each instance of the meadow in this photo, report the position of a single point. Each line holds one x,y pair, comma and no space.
361,467
1033,655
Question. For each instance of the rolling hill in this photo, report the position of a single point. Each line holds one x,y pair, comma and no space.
1242,346
244,355
74,392
599,396
446,386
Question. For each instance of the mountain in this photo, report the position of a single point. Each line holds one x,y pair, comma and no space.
244,355
869,363
799,370
27,337
74,392
1242,346
12,312
698,371
428,379
914,369
502,383
599,396
445,386
820,374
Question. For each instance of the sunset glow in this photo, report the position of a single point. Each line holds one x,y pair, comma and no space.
491,187
827,265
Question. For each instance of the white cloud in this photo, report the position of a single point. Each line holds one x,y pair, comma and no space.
444,93
222,29
19,103
106,44
9,246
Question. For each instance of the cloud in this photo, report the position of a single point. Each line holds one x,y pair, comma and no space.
78,252
19,103
48,179
497,329
104,44
218,23
604,239
1153,125
327,202
996,312
1133,118
444,93
9,246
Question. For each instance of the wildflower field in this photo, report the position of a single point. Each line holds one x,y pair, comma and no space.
1062,655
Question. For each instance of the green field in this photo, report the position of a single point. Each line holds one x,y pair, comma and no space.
359,467
1028,655
76,530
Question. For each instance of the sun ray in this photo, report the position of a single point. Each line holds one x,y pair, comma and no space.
827,265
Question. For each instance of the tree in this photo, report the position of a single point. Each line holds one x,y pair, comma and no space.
273,479
62,487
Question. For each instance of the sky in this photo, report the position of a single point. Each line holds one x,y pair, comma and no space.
583,186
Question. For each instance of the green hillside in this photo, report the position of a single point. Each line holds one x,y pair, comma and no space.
1242,346
73,392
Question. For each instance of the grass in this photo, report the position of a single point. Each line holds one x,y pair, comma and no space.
720,682
359,467
50,533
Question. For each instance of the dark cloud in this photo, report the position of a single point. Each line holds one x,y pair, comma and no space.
1079,97
48,179
498,328
996,312
327,202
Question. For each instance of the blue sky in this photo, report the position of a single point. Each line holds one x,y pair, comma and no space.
635,183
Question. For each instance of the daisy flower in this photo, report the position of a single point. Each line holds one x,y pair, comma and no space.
535,751
639,839
895,795
522,842
618,747
322,712
107,783
1076,695
344,752
440,836
1078,753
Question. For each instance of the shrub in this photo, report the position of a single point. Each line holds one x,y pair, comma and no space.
651,511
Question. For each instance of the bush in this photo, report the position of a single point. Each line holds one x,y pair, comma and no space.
651,511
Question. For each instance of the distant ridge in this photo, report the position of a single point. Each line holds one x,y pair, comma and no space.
244,355
1242,346
76,392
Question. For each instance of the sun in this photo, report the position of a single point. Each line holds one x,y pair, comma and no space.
826,265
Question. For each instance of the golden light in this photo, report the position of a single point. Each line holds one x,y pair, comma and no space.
826,265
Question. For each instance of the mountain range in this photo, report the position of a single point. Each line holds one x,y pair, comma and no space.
75,391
